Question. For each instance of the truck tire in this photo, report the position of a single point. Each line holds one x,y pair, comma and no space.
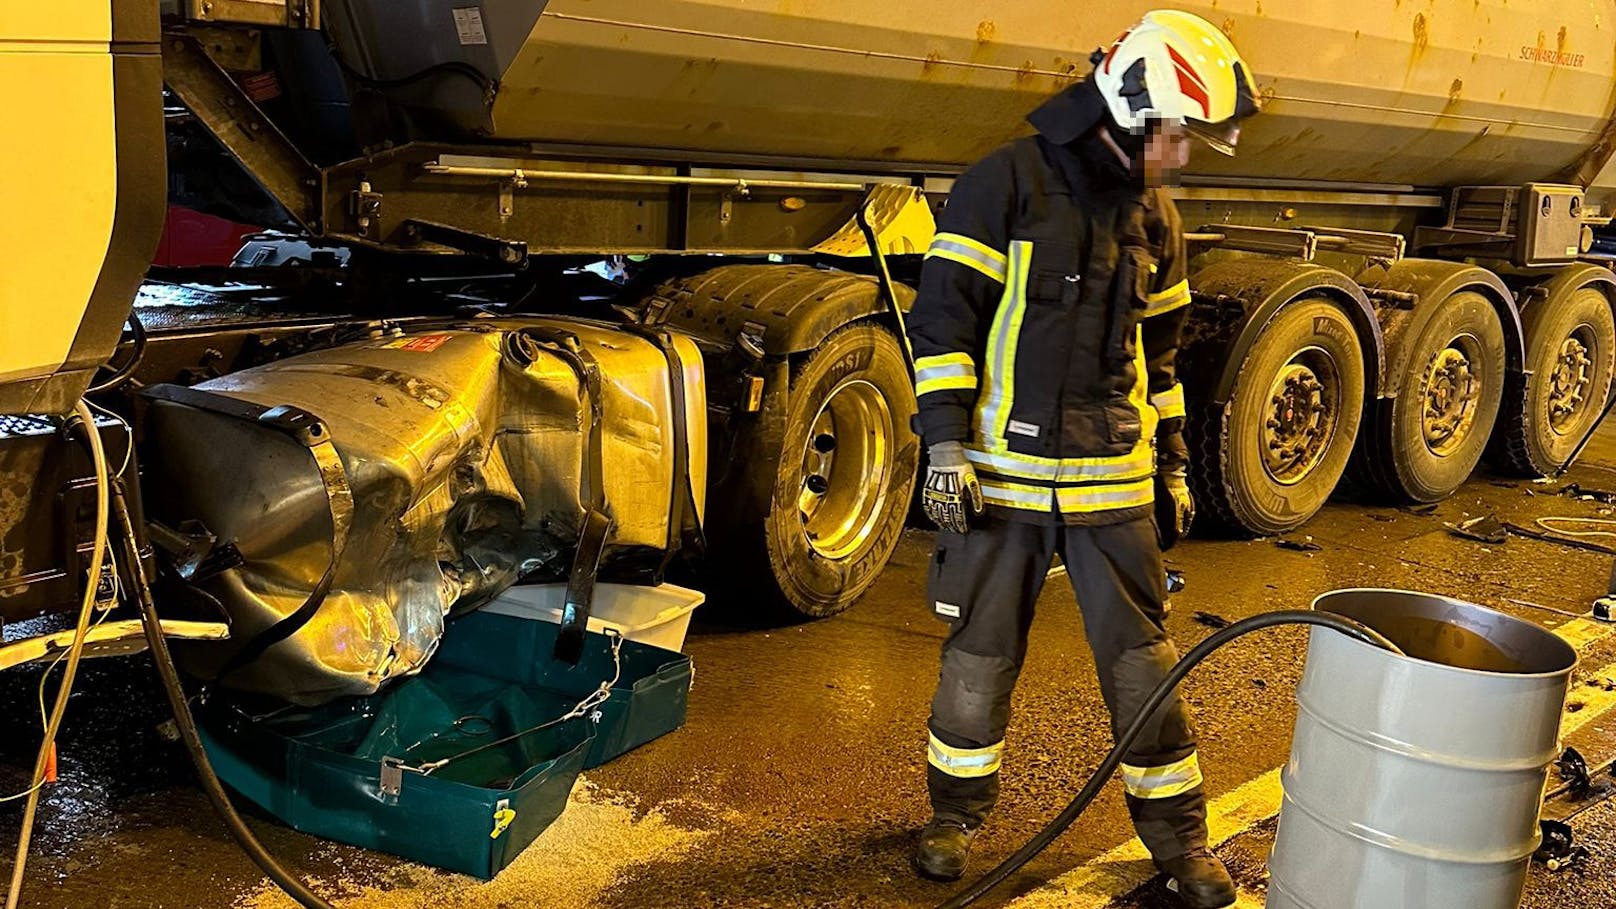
1266,461
1429,438
1570,351
843,481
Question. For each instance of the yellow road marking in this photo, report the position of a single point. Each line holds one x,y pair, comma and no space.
1590,702
1124,869
1584,633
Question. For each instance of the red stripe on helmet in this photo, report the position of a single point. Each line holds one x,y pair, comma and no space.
1184,65
1114,45
1189,82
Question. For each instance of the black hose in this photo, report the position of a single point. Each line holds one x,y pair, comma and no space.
127,369
1587,437
455,67
166,670
1041,840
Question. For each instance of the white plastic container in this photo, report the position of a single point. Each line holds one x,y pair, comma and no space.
658,616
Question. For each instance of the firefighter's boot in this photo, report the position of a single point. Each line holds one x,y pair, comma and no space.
945,845
1199,879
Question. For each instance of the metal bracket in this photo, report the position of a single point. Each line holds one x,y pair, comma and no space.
289,14
365,206
1387,247
242,127
1270,241
506,252
392,777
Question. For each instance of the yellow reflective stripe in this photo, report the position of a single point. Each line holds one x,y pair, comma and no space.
1139,395
944,372
947,359
1170,403
962,249
965,763
1108,497
1140,462
998,380
1168,300
945,383
1016,495
1173,779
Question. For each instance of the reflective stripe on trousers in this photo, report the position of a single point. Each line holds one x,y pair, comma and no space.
1163,782
963,763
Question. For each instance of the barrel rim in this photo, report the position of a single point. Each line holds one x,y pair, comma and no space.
1575,656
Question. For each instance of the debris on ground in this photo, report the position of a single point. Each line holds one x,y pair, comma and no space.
1485,529
1588,494
1421,510
1212,620
1303,545
1558,850
1540,536
1382,518
1573,769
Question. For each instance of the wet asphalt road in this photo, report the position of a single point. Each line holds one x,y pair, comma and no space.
798,780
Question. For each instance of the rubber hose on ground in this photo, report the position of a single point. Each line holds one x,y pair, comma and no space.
1041,840
170,676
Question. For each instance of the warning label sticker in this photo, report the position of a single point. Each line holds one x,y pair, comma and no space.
469,25
421,344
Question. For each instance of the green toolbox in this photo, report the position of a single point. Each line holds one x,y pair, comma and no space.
463,765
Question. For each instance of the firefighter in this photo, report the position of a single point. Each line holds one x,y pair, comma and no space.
1045,331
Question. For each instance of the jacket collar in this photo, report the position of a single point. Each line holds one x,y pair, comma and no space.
1066,124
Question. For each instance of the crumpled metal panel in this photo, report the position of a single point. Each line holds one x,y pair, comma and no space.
464,464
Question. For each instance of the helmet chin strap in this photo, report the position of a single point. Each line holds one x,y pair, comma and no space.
1128,148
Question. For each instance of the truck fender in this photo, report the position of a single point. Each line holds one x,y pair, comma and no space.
1564,281
795,306
1427,282
1236,298
757,320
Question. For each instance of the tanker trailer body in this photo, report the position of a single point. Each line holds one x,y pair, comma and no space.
1394,139
1402,267
1454,131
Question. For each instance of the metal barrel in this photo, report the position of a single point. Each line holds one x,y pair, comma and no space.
1415,781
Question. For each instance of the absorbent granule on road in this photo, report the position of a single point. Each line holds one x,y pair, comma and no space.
572,865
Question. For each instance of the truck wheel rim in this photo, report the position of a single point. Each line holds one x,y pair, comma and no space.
1304,407
1568,384
1452,395
846,462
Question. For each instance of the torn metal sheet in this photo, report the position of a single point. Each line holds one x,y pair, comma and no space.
464,454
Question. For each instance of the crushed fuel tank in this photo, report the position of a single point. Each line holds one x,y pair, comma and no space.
456,463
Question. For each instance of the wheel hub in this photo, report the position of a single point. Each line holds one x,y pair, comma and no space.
1452,393
1302,415
846,462
1568,385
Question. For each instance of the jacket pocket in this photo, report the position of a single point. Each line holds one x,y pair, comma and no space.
1044,345
946,579
1130,295
1101,430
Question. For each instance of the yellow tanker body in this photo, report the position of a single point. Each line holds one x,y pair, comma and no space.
1375,92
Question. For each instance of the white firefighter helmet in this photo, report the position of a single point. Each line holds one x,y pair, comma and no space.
1178,67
